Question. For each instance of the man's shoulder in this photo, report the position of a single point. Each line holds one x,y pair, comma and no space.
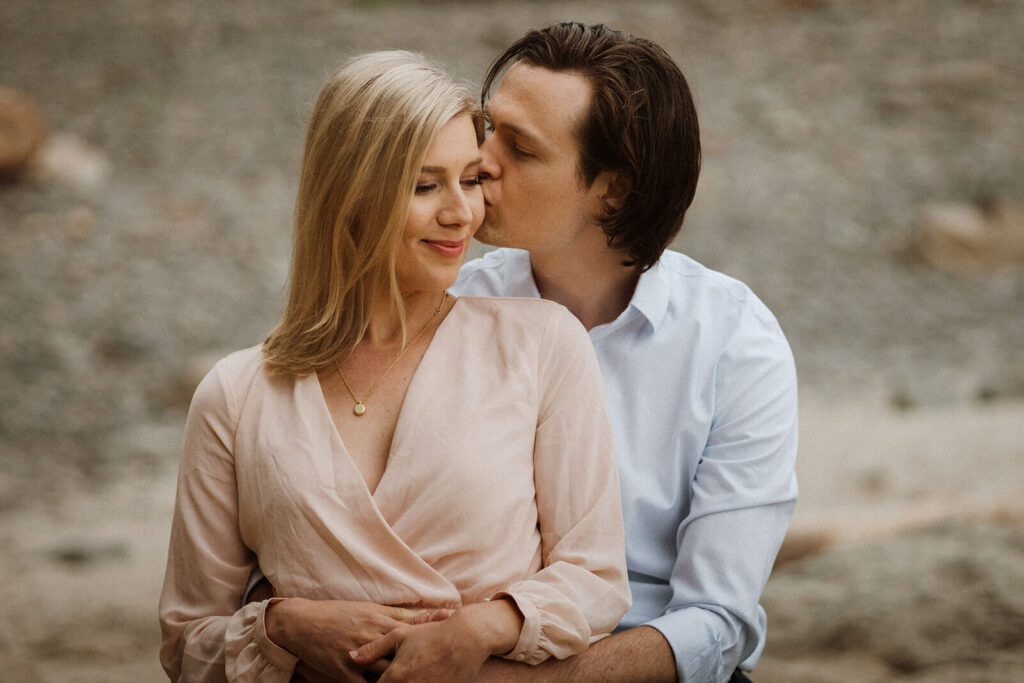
496,273
686,275
497,259
706,292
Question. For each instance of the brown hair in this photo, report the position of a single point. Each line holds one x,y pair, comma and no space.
367,139
641,123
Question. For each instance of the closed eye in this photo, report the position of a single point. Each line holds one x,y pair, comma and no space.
509,142
520,152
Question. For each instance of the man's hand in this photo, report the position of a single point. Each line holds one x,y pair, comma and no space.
452,650
322,632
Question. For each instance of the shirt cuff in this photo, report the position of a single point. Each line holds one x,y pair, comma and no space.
526,648
696,645
275,654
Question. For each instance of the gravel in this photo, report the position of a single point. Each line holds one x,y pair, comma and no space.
159,238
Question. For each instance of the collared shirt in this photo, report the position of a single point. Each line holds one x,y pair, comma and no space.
701,386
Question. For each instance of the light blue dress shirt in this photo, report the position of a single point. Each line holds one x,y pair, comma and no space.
702,391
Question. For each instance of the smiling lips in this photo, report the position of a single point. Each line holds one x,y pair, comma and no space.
446,248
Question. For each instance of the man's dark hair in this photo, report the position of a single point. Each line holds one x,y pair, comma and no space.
641,123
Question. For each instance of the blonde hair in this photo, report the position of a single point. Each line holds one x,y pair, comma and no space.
366,143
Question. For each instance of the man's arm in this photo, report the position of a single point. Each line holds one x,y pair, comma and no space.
637,655
743,492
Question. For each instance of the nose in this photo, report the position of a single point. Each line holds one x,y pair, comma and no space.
457,211
489,168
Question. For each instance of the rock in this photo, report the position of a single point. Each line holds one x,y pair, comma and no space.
23,130
802,544
68,160
969,238
916,603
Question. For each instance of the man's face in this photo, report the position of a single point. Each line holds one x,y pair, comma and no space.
534,196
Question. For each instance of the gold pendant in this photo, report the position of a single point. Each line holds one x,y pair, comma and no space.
359,408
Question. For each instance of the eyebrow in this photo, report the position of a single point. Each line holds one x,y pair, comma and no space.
513,128
516,130
442,169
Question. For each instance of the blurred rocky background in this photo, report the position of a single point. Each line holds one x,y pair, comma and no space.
863,173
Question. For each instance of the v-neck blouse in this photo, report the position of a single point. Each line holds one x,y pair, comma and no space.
501,481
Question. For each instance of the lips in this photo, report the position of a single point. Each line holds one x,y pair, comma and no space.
451,249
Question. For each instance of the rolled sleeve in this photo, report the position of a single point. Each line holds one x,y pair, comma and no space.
693,634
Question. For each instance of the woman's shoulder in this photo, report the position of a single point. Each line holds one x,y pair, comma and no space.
520,319
242,364
232,374
539,311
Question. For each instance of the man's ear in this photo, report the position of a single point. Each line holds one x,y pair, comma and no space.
613,189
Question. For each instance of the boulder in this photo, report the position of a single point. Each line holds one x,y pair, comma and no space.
23,130
962,237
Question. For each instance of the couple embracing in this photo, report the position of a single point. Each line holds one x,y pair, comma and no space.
571,459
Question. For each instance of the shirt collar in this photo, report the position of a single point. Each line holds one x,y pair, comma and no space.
651,295
519,275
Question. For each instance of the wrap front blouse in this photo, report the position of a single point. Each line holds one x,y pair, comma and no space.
501,481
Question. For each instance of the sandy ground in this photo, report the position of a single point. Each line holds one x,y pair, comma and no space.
153,236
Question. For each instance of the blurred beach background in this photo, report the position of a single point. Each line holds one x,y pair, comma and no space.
863,173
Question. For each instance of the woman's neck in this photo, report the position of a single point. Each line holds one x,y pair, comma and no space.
385,328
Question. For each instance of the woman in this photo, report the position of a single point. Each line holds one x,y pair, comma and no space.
387,444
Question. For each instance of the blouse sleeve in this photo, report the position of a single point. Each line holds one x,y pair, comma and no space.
582,590
206,637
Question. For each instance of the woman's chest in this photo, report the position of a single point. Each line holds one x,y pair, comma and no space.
461,449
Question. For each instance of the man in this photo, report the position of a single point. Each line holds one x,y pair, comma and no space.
591,165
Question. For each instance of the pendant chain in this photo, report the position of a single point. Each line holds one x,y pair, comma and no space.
360,407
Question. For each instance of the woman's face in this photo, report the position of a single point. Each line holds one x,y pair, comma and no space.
446,209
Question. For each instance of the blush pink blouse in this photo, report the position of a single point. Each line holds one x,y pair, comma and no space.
501,481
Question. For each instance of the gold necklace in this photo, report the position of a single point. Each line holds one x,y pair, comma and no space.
360,407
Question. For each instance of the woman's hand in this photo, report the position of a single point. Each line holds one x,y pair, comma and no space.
322,632
452,650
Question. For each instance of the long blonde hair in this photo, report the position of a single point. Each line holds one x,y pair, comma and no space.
366,143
